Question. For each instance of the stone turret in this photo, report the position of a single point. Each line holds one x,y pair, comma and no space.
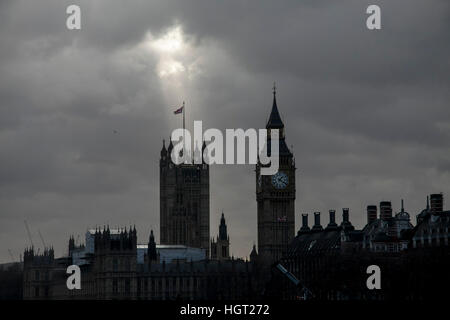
151,249
220,247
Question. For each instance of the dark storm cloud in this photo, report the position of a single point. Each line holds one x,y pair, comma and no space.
83,113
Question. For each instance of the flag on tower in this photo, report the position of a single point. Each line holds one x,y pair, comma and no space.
179,110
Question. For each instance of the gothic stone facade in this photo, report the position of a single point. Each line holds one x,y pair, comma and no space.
220,247
112,273
275,196
331,262
184,202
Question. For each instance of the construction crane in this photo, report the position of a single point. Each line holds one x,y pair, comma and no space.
42,238
28,231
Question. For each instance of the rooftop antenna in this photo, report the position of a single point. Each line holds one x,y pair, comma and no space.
42,238
28,232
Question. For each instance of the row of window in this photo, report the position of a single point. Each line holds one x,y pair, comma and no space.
434,231
38,292
125,264
124,287
224,251
40,276
425,242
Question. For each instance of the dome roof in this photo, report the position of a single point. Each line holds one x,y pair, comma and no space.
402,215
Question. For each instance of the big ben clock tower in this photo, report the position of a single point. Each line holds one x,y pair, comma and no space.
275,196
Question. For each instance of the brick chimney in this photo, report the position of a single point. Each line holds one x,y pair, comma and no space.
346,224
385,210
345,215
371,213
317,225
436,203
304,227
332,224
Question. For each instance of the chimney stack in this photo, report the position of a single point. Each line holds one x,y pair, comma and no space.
346,224
345,215
437,203
304,227
317,225
385,210
332,223
371,214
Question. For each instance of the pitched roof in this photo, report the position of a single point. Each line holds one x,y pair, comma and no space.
275,121
315,242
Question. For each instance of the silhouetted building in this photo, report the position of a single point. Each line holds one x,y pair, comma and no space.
330,263
275,196
11,281
433,229
184,202
220,247
387,234
314,250
115,269
37,273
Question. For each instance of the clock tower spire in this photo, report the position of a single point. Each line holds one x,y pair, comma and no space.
275,197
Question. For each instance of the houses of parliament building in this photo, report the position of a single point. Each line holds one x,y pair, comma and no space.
188,264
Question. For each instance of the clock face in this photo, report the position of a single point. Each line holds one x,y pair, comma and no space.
280,180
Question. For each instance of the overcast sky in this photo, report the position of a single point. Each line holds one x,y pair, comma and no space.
367,112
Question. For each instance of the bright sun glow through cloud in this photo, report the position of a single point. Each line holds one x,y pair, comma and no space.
170,48
171,42
179,61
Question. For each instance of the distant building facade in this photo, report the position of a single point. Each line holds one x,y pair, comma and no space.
433,225
114,270
184,202
37,273
220,247
11,281
275,197
387,233
330,263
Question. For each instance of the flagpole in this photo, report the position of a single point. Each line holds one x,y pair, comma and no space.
185,236
184,140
